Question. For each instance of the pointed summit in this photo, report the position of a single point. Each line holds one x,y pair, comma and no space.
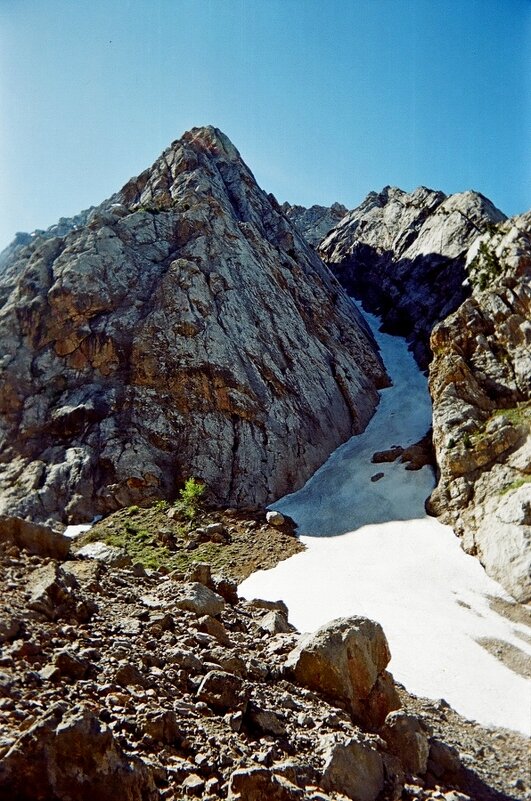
183,328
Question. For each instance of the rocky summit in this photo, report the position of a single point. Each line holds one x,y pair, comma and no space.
182,328
480,382
316,222
403,254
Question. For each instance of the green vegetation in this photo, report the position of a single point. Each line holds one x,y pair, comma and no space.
484,268
190,498
516,484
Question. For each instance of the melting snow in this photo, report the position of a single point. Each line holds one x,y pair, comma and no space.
372,551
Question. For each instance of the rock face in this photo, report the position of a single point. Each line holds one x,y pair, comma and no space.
480,381
403,254
185,328
316,222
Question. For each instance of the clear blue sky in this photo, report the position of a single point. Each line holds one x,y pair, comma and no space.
325,99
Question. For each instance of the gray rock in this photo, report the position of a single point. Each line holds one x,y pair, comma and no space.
275,518
344,660
257,784
407,739
403,254
42,758
480,382
222,691
195,597
315,222
34,537
352,768
111,556
207,368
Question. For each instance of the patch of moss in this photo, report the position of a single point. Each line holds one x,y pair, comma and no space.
519,482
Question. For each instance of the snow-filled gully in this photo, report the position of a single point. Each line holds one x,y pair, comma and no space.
371,550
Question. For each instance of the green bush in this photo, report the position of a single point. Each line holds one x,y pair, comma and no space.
190,497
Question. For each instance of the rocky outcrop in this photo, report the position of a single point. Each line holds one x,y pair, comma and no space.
480,382
403,254
316,222
185,328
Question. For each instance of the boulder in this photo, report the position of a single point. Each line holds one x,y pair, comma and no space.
352,768
69,754
108,554
344,660
407,739
258,784
197,598
222,691
34,537
275,518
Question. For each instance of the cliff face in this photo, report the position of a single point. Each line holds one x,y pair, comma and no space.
403,254
183,328
480,381
316,222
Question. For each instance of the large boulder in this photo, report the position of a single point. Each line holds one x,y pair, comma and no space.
71,754
352,768
182,328
34,537
346,660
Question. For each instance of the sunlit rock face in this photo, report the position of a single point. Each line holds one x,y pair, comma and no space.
403,254
183,328
316,222
480,382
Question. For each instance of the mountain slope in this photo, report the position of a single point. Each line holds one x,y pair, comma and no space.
184,329
403,255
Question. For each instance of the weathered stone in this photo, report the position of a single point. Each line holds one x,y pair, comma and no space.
275,518
480,382
317,221
197,598
10,626
258,784
55,594
71,754
34,537
111,556
343,660
275,623
71,665
222,691
265,721
352,768
185,333
403,254
407,739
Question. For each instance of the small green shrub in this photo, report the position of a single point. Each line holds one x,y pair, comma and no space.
467,442
190,497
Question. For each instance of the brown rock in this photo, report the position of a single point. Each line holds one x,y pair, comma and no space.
407,739
352,768
34,537
70,754
258,784
343,660
222,691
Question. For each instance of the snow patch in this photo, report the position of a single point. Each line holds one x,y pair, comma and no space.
372,551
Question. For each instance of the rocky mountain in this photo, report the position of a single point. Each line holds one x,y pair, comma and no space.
182,328
403,254
316,222
480,382
121,682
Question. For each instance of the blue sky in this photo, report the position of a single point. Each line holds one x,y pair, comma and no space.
325,99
